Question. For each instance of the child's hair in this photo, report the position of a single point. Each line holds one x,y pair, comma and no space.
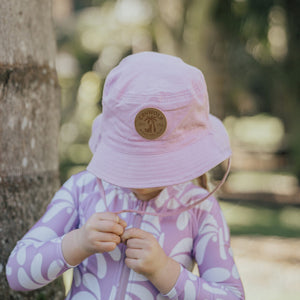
203,181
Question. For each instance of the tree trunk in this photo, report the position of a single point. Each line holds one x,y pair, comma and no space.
29,124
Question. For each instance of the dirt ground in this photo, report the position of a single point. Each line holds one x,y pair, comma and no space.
269,266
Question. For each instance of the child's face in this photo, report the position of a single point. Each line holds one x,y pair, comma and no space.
147,193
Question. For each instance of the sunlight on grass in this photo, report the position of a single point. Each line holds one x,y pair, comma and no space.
257,133
262,182
252,219
290,217
239,215
67,279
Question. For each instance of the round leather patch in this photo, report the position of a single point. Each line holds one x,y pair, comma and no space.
150,123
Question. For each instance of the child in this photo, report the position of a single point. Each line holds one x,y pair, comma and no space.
133,224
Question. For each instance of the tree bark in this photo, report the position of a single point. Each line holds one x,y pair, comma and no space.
29,124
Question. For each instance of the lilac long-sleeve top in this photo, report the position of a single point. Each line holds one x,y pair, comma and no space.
199,235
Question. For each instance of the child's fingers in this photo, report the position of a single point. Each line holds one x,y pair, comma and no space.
106,222
133,233
109,226
135,243
122,223
106,246
112,217
108,216
107,237
133,253
132,263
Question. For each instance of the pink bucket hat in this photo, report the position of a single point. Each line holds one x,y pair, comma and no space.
155,129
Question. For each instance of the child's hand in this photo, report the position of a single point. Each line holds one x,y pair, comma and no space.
143,254
101,233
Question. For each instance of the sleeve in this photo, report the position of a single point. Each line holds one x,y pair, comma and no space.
37,258
219,278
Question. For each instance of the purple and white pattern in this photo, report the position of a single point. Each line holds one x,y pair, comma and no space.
199,235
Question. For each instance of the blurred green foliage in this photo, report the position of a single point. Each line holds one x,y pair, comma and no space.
247,49
262,48
262,220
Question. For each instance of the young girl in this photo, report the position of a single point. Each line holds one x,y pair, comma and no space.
133,225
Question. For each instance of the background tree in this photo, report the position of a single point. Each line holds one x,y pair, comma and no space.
95,35
247,49
260,43
29,124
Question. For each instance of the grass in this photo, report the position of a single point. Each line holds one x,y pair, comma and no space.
267,272
254,219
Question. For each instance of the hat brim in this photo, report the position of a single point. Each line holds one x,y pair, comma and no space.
141,171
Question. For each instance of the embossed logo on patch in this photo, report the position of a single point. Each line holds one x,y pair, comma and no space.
150,123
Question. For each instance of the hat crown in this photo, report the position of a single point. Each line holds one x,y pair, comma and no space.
150,78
